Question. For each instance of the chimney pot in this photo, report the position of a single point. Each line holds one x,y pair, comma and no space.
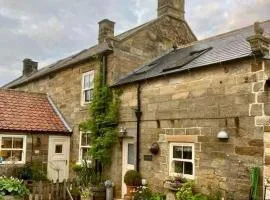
106,29
175,8
29,67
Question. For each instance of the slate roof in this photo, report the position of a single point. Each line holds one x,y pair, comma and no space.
30,112
221,48
83,55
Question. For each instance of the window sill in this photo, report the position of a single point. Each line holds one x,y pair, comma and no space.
17,163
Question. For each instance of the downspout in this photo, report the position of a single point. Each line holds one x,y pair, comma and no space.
104,69
138,114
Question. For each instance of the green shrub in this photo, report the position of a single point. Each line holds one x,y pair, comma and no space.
132,178
12,186
86,175
144,193
31,171
186,193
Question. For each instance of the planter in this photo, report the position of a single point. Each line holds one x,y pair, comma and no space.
131,190
172,187
98,193
76,197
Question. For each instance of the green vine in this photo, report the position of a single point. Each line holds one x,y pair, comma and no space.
102,123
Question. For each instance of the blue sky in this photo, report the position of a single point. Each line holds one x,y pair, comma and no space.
46,31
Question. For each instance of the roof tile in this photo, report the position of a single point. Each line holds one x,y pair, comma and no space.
23,111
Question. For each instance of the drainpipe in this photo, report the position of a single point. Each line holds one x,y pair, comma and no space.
138,114
104,69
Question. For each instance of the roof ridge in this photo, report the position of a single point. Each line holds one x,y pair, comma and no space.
219,35
20,91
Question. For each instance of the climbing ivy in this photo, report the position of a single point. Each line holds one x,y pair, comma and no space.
102,122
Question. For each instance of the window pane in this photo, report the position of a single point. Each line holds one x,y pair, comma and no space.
85,141
187,152
178,167
18,143
91,94
131,153
17,155
86,81
188,168
6,142
87,95
92,82
177,151
85,154
6,155
58,148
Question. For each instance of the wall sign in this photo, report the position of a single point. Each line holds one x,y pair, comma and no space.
148,157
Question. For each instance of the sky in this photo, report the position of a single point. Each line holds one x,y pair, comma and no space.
49,30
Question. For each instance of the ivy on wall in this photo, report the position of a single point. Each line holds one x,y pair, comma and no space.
102,122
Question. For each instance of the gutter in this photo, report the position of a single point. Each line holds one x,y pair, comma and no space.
138,114
59,114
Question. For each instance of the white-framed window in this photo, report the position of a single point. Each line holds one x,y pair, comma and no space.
182,160
85,146
12,149
87,87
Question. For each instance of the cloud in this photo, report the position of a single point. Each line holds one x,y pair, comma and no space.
49,30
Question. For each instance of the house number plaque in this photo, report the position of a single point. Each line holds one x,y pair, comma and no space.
148,157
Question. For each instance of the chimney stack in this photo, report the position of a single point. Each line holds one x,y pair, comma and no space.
174,8
29,67
106,29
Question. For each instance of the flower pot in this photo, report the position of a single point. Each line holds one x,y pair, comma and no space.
131,190
76,196
98,193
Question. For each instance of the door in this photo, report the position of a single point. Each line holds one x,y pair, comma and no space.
128,159
58,157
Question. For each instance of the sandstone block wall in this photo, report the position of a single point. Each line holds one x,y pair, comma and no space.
200,103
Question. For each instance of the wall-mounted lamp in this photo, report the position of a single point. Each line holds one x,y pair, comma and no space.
144,182
122,133
223,135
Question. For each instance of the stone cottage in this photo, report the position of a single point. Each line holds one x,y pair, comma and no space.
182,101
69,82
33,130
206,106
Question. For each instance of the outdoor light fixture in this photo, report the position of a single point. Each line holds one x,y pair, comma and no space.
122,133
223,135
144,182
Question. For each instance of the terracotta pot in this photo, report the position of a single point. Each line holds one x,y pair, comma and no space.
131,190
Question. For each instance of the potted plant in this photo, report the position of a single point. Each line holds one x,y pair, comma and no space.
12,188
76,193
90,181
132,179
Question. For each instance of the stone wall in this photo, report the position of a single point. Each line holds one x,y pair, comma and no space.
64,88
199,103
